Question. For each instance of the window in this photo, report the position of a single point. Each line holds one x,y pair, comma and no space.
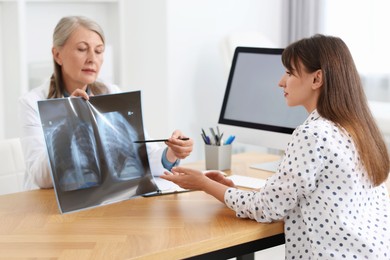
363,25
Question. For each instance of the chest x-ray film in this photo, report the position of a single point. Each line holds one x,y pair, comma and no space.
93,158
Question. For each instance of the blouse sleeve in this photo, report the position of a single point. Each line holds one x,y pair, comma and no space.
295,178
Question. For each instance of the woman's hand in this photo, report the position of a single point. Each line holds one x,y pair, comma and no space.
80,93
219,177
194,179
214,183
177,148
186,178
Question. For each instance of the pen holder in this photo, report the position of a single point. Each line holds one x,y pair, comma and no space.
218,157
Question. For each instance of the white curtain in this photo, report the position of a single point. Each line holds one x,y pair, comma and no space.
302,19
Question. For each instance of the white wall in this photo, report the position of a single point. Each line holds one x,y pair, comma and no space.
175,57
1,77
145,61
11,80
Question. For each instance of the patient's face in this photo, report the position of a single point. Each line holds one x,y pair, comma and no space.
80,58
299,88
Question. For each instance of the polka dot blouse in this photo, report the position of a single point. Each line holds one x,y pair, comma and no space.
322,192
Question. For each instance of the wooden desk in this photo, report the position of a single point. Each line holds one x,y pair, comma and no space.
164,227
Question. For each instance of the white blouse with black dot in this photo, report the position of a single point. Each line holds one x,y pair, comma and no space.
322,192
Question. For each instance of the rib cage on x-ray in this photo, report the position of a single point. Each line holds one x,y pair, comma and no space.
75,156
121,154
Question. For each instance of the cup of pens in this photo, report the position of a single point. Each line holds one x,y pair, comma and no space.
218,153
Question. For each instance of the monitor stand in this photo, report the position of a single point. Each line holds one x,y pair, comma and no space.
266,166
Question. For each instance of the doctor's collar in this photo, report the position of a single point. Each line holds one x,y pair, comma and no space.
66,93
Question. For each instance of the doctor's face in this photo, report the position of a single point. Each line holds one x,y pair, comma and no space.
80,58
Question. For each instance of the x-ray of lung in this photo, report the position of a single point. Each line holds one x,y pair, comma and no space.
117,136
74,155
91,149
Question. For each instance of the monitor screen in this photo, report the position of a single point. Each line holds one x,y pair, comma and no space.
254,104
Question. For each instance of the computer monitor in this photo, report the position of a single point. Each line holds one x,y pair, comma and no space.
254,108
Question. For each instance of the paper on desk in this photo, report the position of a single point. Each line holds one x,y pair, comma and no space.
247,182
165,186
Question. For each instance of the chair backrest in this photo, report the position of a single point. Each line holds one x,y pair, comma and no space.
12,166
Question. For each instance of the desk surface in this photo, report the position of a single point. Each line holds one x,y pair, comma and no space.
162,227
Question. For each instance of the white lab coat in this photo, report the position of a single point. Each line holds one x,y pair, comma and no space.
38,173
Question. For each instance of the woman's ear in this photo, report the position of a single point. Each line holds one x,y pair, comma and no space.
56,56
318,79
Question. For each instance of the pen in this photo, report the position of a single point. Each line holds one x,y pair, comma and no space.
214,135
208,140
204,139
220,139
230,139
159,140
204,133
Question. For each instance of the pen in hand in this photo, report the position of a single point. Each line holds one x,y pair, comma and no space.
160,140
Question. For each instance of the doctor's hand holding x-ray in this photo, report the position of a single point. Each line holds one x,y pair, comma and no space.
78,54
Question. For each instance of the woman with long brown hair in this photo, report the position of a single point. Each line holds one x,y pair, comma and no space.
329,188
